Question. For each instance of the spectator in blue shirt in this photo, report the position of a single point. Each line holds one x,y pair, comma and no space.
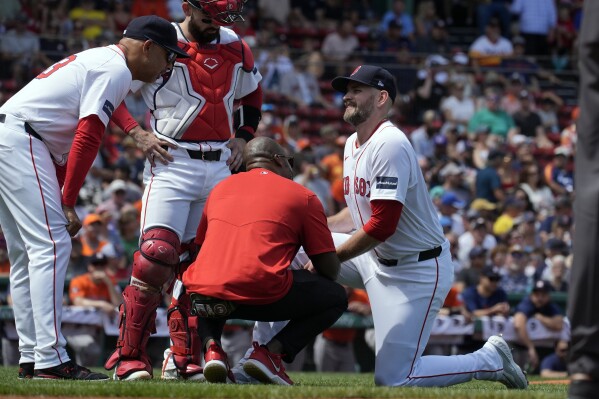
537,305
401,18
514,279
538,19
559,178
563,207
488,181
486,298
555,365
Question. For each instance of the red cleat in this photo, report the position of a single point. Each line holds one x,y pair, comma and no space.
266,367
216,369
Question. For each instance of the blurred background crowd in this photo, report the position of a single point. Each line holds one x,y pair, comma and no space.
488,93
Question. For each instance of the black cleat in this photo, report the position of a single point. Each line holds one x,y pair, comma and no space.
26,371
583,389
69,371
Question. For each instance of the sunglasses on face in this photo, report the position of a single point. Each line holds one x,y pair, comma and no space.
287,157
494,279
171,56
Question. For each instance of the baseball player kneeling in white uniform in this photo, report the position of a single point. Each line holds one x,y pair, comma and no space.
398,252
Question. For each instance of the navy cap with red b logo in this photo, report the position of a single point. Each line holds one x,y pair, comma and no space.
370,75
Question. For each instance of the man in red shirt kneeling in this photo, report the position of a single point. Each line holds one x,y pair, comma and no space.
251,229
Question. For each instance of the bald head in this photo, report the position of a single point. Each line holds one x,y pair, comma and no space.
264,152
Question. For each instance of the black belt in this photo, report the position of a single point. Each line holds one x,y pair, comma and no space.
422,256
203,155
28,128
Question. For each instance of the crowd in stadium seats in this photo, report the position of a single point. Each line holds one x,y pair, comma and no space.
487,96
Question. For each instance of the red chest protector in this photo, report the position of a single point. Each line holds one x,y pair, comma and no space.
215,71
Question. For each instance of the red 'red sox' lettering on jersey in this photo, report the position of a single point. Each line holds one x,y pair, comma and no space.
361,186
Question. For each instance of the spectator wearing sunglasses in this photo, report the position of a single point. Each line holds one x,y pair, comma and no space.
487,298
515,280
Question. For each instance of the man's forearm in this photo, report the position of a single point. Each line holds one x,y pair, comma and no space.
555,323
521,331
356,245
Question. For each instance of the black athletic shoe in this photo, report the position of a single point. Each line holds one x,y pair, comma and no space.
583,389
26,371
69,371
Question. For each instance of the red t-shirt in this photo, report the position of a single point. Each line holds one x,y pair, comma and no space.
251,229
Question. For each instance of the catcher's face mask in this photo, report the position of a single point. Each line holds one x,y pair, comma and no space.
222,12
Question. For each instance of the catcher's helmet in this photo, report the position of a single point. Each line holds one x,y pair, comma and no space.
222,12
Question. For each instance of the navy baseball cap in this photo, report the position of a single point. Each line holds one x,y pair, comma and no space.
491,272
451,199
369,75
98,259
156,29
541,286
476,252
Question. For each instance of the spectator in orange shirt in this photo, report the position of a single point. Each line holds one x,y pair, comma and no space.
93,237
334,348
453,304
97,290
332,165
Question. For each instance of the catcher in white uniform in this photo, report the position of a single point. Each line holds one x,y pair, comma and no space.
206,110
398,252
50,132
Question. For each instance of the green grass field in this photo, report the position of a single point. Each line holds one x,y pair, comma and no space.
308,385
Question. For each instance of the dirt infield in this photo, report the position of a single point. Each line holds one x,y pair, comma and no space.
556,382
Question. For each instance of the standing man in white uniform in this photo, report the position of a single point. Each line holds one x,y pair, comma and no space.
206,111
398,252
50,132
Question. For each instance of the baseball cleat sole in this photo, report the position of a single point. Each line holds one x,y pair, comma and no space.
134,376
215,371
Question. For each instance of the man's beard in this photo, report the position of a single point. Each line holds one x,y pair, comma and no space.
199,35
359,114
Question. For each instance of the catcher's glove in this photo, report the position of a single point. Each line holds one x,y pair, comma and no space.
207,306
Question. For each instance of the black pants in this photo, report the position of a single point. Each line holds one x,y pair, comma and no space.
312,305
536,44
584,286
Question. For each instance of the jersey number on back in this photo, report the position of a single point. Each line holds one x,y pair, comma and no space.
50,70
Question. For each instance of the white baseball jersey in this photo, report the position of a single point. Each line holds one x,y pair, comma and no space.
405,298
93,82
386,168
